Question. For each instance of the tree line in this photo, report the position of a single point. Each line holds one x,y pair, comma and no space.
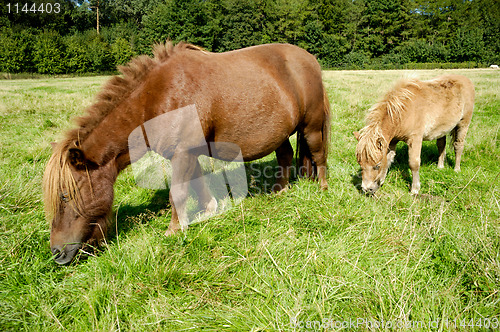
97,35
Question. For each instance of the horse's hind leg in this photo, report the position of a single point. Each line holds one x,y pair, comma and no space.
318,155
306,168
284,156
459,134
441,145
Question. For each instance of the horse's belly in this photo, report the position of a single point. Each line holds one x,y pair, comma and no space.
254,147
437,128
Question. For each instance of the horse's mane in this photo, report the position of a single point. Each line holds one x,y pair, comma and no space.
393,104
58,176
369,137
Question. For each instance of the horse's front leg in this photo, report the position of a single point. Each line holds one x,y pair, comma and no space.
183,169
414,148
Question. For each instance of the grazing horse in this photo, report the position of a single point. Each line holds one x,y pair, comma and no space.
411,112
253,98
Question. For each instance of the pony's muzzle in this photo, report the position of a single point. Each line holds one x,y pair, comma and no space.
370,189
64,254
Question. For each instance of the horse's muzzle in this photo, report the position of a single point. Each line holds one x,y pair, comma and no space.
65,254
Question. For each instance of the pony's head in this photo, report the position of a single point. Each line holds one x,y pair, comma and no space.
373,157
78,195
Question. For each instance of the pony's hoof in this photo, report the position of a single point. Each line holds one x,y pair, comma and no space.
172,231
211,207
457,169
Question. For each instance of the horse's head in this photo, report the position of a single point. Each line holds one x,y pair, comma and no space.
374,159
78,195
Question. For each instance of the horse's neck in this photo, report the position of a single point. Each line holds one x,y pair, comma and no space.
109,139
387,128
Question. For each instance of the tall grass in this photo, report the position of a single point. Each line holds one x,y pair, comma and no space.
301,260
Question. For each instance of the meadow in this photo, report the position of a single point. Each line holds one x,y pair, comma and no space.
301,260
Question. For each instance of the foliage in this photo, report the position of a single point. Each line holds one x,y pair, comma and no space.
340,33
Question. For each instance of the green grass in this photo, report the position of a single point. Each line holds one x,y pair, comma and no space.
304,254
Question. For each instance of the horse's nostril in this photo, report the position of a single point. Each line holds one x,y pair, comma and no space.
55,251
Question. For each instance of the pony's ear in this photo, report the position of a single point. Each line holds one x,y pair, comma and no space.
77,158
380,143
356,134
53,145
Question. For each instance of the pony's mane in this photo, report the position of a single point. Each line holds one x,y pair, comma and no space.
367,146
58,177
393,104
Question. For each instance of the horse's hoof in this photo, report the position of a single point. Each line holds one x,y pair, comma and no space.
172,231
211,207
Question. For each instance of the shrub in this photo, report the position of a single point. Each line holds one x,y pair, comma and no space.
77,59
121,51
48,55
356,60
16,51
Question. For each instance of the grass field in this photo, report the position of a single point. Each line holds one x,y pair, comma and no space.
301,260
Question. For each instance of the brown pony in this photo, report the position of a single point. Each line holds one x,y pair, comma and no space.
254,98
414,111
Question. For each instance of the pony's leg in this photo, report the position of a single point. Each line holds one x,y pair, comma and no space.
183,167
414,149
306,168
318,155
284,156
391,155
441,144
206,201
459,141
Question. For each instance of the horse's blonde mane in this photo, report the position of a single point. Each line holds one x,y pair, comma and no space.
58,177
394,102
57,180
368,143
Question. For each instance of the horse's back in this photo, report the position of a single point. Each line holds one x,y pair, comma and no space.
254,97
438,105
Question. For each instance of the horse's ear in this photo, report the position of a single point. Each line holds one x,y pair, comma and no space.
380,143
77,158
356,134
53,145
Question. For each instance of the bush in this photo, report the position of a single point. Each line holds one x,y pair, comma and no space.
16,51
122,51
422,51
99,53
356,60
48,55
77,59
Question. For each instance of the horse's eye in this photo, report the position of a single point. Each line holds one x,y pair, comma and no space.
64,197
376,167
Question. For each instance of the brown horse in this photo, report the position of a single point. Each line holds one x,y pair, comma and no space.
253,98
414,111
